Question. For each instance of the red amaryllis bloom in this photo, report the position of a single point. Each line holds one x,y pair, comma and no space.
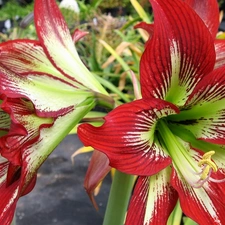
173,138
44,92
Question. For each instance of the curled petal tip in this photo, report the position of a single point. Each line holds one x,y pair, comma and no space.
97,170
78,34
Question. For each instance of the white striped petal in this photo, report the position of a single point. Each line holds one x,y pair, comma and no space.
204,111
58,45
50,97
153,200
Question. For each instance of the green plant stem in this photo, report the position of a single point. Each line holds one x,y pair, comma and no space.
14,220
105,100
119,197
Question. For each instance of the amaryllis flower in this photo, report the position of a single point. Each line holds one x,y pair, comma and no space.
173,138
44,92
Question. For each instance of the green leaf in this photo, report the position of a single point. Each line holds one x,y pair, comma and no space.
141,12
113,52
95,3
93,60
113,88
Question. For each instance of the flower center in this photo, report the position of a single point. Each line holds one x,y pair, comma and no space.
184,160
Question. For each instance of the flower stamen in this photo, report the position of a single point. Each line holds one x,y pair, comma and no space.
208,167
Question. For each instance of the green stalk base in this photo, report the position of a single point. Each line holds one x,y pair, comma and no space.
119,197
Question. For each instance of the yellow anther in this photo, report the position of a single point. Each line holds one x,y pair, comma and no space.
208,155
205,173
209,164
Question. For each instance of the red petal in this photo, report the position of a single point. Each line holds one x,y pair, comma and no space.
152,201
10,192
13,174
208,10
98,168
147,27
220,53
9,195
175,58
127,136
203,205
49,101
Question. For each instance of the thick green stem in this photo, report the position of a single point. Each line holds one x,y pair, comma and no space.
118,199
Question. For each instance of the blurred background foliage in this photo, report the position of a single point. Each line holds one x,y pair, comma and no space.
11,8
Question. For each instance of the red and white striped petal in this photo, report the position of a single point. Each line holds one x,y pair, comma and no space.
128,136
12,184
206,116
51,97
220,53
10,192
58,45
35,154
203,205
174,60
208,10
152,201
8,195
32,157
24,129
27,57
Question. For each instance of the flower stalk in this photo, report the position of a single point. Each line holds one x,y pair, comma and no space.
104,100
119,197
